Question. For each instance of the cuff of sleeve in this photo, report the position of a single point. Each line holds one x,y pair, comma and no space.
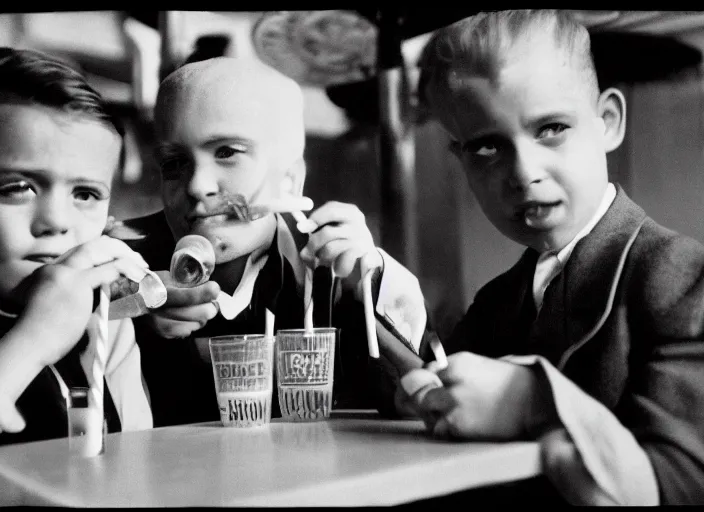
610,453
400,303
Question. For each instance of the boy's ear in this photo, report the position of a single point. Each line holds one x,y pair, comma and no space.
611,108
293,178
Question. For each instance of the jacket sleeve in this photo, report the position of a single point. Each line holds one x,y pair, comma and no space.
618,471
402,329
649,448
400,305
665,405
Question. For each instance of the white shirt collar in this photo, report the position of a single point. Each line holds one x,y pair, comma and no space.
550,263
609,196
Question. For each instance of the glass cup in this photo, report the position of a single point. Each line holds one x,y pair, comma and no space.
243,373
86,426
305,363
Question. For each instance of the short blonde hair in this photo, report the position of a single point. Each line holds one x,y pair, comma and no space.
478,45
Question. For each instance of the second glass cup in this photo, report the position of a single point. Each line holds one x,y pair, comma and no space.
305,363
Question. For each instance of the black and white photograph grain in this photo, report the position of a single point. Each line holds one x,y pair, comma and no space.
393,256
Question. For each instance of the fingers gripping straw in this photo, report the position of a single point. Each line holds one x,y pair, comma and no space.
419,378
192,263
132,298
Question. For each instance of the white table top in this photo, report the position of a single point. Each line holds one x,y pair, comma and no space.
352,459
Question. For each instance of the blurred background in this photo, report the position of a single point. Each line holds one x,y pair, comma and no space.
367,143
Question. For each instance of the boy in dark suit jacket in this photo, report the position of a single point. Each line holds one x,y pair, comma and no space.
231,127
600,325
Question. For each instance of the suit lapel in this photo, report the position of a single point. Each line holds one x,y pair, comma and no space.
593,269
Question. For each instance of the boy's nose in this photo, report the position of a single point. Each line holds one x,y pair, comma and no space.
52,215
203,183
527,168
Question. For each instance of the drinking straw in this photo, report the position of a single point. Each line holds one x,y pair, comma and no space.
439,352
100,343
369,318
307,285
269,324
308,301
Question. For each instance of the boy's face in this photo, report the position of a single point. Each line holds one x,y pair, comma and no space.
55,180
212,147
531,145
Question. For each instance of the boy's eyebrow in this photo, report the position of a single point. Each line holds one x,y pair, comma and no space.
549,117
219,139
88,182
531,122
166,147
43,177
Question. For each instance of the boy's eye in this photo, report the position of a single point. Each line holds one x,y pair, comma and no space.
17,190
224,152
551,130
454,146
487,151
87,194
485,147
173,167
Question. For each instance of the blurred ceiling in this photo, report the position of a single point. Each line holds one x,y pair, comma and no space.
119,48
651,22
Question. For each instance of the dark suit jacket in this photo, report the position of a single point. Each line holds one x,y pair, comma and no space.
181,384
624,320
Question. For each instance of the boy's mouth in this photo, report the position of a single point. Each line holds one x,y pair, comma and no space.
209,219
204,220
536,213
41,258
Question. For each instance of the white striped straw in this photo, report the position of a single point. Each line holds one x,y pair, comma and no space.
100,348
308,301
307,285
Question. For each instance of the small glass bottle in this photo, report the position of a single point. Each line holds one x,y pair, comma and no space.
86,427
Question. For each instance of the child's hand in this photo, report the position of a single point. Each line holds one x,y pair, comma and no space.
10,418
340,241
186,309
59,295
412,389
481,398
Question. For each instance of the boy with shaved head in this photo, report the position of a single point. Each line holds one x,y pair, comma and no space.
233,128
600,324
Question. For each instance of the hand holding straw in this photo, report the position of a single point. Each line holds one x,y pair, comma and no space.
305,225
